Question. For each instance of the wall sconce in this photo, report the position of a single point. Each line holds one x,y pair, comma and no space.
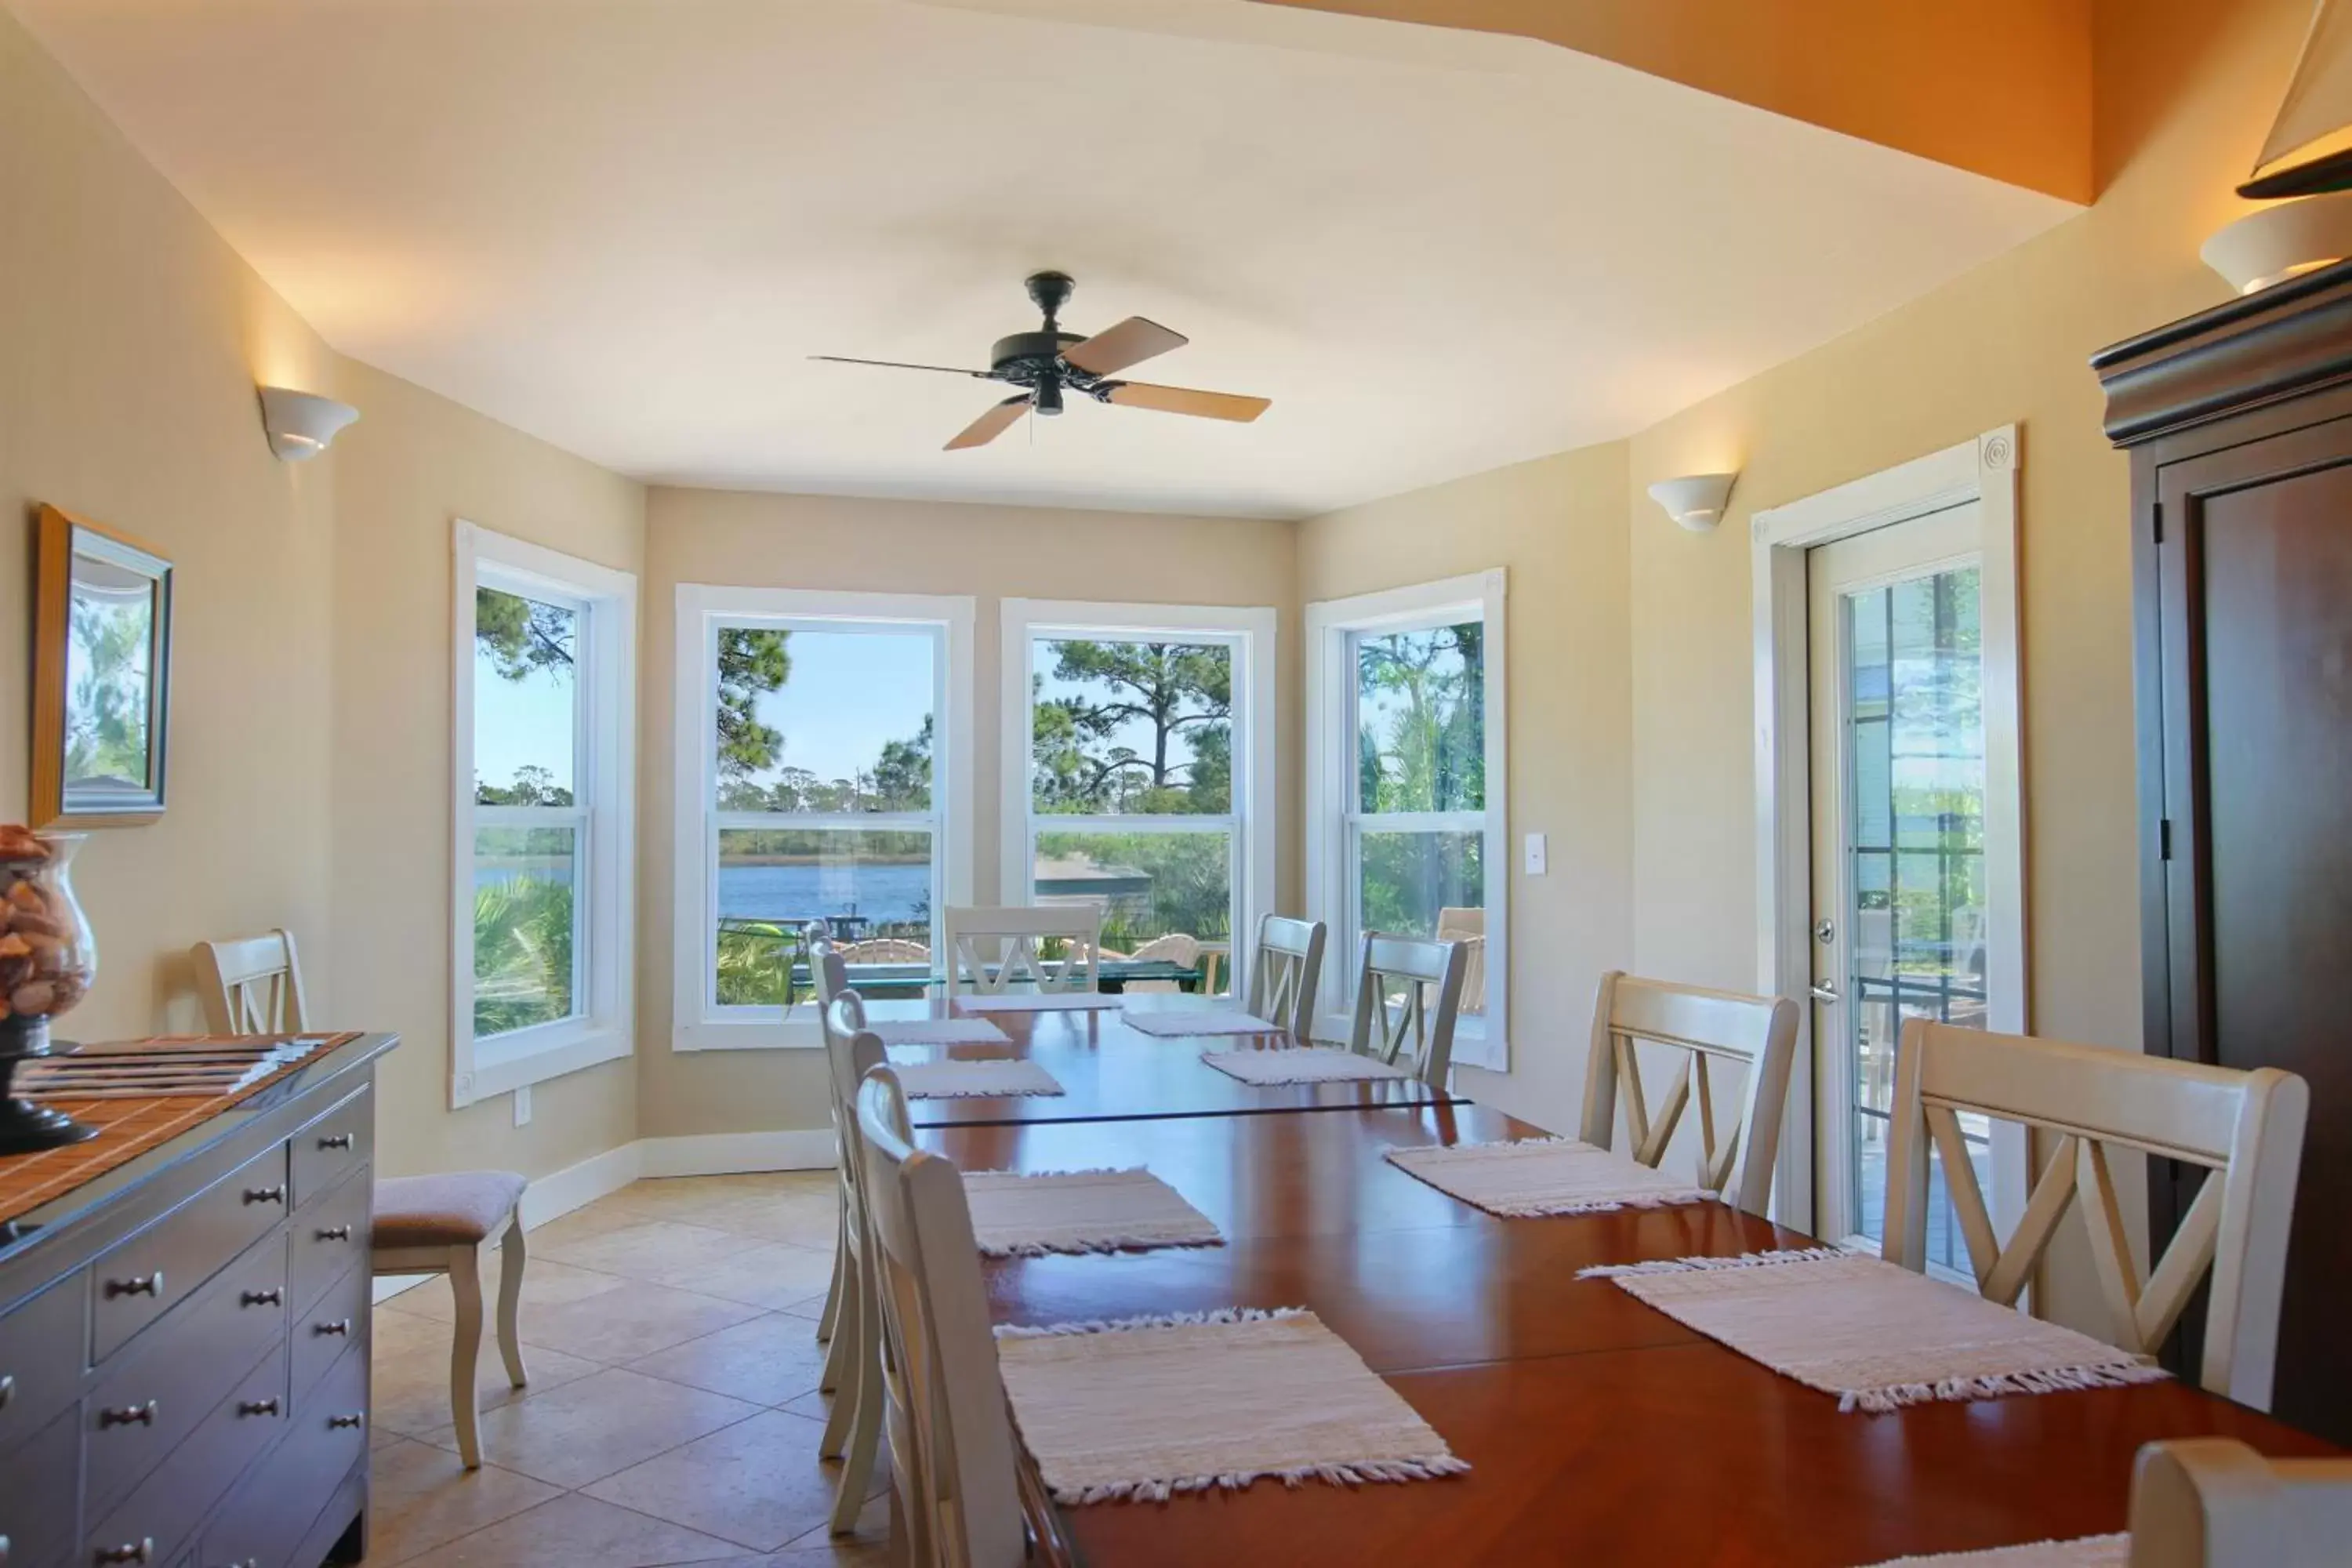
1694,500
302,424
2274,243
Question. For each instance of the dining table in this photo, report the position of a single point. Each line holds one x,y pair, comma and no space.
1597,1430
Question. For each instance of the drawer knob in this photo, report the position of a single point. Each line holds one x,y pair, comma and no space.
345,1422
258,1406
340,1326
147,1285
336,1140
8,1396
129,1415
273,1296
276,1194
336,1233
142,1551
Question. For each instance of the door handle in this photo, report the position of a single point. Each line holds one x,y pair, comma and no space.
1824,991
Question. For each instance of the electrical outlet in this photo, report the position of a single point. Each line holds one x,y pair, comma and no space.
1538,855
522,1106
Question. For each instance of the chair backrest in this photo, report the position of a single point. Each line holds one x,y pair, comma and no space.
851,1051
1468,927
252,985
1009,939
1423,1016
1284,973
2245,1128
1176,947
935,1313
2213,1502
886,949
1759,1033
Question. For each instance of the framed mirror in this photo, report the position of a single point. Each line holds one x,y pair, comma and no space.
101,676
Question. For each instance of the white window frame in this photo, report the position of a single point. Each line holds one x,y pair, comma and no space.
698,1024
1985,470
605,774
1249,630
1479,1040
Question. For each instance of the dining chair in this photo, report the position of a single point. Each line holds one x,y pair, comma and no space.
1468,927
827,979
2213,1502
1705,1028
1180,947
1285,972
853,1370
1010,940
1425,970
421,1224
2244,1128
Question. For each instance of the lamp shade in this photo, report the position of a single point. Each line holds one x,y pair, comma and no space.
1694,500
2274,243
300,424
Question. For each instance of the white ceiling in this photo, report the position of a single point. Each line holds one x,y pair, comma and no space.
622,226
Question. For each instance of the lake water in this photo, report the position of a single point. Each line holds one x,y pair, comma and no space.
883,894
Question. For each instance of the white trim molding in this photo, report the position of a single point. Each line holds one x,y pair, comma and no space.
1984,470
604,774
1479,1040
1250,631
697,1023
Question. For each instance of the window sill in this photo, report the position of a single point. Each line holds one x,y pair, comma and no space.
536,1055
802,1031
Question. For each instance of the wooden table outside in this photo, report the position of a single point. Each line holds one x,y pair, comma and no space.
1599,1431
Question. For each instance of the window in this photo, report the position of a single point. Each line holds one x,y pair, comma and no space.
824,777
1406,818
544,749
1135,765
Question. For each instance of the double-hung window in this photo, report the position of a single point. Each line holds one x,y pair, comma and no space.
823,778
1139,774
1407,830
544,747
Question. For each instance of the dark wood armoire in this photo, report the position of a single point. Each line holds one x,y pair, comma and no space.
2239,423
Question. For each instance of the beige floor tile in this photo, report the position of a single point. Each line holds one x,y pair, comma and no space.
637,1245
577,1531
768,1360
631,1319
806,1219
772,1274
699,1259
871,1540
814,1405
758,1483
587,1430
809,1306
545,1283
581,1225
420,1497
412,1373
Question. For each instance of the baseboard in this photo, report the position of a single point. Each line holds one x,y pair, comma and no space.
576,1186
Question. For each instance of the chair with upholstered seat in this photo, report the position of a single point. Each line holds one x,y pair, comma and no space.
422,1224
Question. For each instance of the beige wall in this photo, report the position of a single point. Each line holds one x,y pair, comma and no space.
1558,527
910,547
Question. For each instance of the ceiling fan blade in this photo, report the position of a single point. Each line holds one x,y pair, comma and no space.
1185,400
990,425
1131,342
901,364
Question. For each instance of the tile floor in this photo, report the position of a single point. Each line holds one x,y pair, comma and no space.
672,1414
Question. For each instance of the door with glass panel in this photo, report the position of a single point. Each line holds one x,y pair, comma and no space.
1898,833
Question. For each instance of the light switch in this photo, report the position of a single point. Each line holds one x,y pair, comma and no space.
1537,855
522,1106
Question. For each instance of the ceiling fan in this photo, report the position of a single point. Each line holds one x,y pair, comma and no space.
1048,362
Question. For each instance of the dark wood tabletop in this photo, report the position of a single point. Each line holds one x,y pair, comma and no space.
1109,1071
1599,1430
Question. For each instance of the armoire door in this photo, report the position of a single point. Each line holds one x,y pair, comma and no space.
2253,569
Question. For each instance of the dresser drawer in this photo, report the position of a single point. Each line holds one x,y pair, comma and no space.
141,1410
331,1236
331,1325
38,1493
136,1281
163,1511
335,1145
41,1343
277,1506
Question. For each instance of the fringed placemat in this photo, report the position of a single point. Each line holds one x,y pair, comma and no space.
974,1080
939,1032
1029,1214
1036,1002
1877,1336
1148,1407
1534,1177
1299,1064
1173,1023
2089,1551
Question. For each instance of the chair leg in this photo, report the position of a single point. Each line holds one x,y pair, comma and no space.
465,1351
865,1397
848,1351
513,1254
833,1292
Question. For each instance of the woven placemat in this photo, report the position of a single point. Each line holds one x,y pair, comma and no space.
1537,1177
1877,1336
1299,1064
1174,1023
2089,1551
939,1032
1150,1406
974,1081
1030,1213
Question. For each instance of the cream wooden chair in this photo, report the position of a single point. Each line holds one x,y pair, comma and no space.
2213,1502
1176,947
827,980
885,950
1010,940
1285,969
2245,1128
422,1225
1757,1033
1430,976
1468,927
853,1429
